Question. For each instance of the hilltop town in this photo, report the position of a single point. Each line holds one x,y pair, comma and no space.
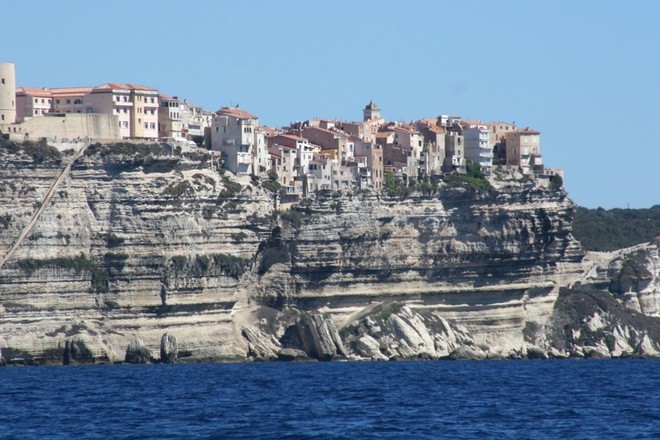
307,156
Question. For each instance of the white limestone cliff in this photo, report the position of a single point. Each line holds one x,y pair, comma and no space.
139,243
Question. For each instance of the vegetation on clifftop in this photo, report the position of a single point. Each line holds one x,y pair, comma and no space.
473,178
608,230
40,152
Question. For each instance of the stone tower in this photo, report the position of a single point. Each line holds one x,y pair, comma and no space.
7,93
371,111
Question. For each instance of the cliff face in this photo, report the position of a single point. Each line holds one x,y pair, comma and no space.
133,246
489,261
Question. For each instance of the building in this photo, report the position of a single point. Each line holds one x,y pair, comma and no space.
523,149
236,134
371,111
71,100
283,162
333,141
477,145
497,131
433,154
170,117
196,120
135,106
32,102
372,173
497,137
454,152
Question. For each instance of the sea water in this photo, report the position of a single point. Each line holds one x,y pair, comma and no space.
579,399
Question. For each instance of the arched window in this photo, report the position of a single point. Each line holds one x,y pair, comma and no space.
78,101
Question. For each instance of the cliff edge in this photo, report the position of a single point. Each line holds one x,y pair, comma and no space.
142,251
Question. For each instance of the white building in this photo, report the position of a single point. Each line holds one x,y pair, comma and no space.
236,134
478,149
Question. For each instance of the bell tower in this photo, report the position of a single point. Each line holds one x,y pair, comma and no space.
371,111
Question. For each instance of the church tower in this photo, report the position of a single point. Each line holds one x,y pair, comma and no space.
7,93
371,111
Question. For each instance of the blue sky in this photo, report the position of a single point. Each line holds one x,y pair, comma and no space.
584,73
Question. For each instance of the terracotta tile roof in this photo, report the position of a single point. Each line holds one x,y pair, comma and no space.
383,134
236,113
527,130
435,129
501,123
269,131
41,92
71,91
164,97
469,123
325,130
293,137
120,86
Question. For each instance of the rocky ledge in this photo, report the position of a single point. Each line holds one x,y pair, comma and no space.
144,256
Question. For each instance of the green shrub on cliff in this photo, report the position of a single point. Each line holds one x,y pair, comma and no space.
40,152
203,265
99,276
556,181
396,187
473,178
136,150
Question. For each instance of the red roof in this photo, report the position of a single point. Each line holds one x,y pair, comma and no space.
325,130
435,129
71,91
527,130
120,86
34,91
236,113
293,137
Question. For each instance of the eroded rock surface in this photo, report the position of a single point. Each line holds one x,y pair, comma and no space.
145,243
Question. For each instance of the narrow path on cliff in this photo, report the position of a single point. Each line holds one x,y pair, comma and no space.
35,217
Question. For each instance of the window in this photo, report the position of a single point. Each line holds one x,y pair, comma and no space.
68,101
3,80
3,116
118,99
57,101
152,125
78,101
146,125
125,124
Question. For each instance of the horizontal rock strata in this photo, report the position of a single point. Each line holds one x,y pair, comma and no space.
141,245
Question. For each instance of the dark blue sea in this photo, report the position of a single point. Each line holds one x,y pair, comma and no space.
379,400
